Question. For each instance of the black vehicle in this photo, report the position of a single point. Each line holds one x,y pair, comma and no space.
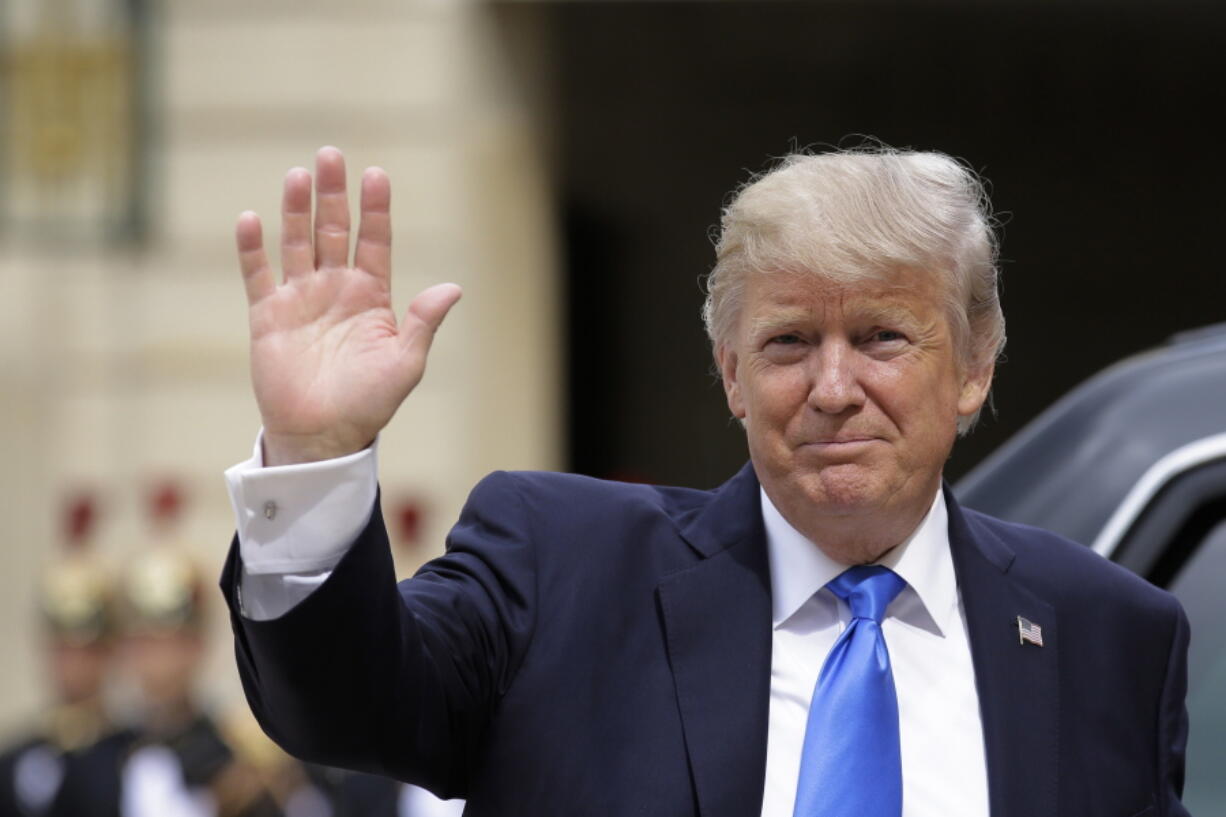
1133,464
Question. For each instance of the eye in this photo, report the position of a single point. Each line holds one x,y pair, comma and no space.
886,336
786,347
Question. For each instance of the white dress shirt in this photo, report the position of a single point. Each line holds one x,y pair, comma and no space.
944,773
296,522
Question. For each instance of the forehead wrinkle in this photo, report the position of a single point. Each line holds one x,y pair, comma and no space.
791,298
886,313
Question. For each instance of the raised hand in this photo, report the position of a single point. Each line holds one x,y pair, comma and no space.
329,363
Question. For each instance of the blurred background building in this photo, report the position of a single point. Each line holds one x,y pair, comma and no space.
565,162
131,135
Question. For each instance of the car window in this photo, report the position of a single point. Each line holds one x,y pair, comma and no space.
1198,585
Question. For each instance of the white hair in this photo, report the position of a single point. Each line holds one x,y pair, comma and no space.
865,214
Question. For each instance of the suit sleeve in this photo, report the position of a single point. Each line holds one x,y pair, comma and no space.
1173,721
399,680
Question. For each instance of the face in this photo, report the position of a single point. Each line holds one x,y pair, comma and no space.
78,671
165,665
850,396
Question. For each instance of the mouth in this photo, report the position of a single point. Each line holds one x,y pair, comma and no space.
835,446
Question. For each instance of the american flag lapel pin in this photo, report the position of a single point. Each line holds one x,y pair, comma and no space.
1029,632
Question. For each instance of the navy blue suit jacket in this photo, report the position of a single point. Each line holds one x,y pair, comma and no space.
594,648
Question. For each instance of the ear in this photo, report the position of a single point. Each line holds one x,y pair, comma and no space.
976,383
727,361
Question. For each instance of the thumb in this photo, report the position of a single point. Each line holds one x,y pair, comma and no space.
426,313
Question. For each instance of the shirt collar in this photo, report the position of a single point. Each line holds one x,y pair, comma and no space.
799,569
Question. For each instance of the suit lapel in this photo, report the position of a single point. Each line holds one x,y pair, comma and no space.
1018,684
717,624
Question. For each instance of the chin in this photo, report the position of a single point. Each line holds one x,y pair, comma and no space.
843,490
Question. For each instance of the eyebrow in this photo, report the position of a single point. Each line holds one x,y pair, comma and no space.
777,320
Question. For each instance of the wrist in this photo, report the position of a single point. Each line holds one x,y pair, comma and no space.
294,449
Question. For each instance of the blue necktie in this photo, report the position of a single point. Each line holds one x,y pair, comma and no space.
850,766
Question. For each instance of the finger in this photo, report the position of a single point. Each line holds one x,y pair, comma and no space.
374,250
426,314
297,256
331,210
252,260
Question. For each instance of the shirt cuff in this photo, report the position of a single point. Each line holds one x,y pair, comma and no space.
300,518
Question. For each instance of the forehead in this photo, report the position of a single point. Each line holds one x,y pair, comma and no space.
783,295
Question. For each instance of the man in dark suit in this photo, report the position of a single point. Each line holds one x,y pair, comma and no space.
827,633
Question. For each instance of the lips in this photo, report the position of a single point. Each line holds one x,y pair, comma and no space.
838,449
842,440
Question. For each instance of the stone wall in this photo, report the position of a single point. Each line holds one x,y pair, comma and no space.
125,366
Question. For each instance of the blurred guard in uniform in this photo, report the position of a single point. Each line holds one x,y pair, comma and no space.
307,790
181,765
187,764
70,765
310,790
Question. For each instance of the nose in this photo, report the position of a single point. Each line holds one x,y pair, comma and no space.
835,384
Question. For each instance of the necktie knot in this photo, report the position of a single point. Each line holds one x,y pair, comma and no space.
867,590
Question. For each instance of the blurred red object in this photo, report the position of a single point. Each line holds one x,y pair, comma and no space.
407,517
165,502
80,518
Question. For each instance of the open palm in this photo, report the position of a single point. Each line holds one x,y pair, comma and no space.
329,363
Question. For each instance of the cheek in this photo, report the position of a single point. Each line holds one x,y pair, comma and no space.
891,392
923,406
777,393
930,426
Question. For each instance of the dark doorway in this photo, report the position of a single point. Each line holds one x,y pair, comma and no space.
1091,121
